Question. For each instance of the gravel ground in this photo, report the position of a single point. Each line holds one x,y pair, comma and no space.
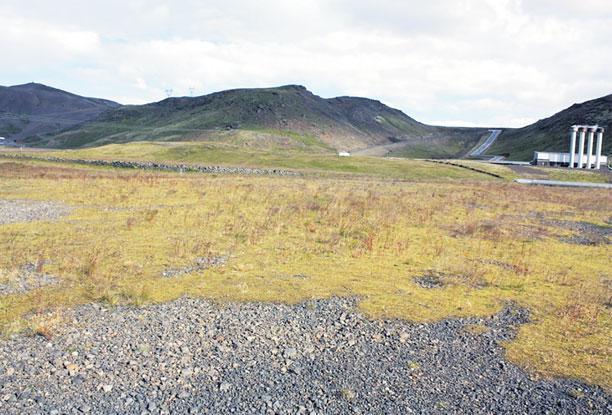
586,233
26,279
13,211
200,264
434,279
192,356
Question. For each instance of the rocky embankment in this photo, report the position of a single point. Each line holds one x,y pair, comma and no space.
150,165
320,357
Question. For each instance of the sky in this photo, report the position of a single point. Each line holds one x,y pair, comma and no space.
497,63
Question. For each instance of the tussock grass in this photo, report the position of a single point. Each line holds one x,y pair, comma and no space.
289,239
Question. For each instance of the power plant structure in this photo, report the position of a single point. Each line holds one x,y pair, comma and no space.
577,158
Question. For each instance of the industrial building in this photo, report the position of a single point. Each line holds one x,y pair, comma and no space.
577,157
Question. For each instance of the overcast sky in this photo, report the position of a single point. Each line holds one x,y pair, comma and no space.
451,62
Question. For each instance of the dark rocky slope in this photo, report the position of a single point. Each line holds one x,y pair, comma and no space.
34,109
552,134
346,123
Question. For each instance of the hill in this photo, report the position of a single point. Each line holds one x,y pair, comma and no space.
35,109
288,116
552,134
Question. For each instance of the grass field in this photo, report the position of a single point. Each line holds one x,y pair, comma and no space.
252,150
221,154
535,172
488,241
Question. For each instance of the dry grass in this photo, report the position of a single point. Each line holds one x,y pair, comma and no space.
289,239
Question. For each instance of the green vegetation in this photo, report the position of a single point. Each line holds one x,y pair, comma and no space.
534,172
504,171
273,118
223,154
576,175
490,241
426,150
7,128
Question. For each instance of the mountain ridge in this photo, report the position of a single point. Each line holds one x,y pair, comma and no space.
275,118
340,123
33,109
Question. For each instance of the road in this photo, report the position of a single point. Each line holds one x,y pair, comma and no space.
564,184
488,142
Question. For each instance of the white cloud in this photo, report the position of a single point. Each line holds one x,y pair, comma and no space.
26,42
471,62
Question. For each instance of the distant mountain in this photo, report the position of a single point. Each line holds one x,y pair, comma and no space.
552,134
343,123
34,109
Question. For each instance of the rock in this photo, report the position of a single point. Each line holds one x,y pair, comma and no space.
85,409
290,353
162,166
194,356
73,369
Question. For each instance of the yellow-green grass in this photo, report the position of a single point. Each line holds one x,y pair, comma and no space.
251,150
291,239
220,154
576,175
537,172
501,170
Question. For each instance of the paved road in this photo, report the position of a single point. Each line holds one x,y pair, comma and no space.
488,142
564,184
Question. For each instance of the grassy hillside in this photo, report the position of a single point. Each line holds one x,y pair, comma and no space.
274,114
552,134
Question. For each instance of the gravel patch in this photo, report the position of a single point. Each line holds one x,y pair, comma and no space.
26,279
585,233
200,264
429,281
319,357
14,211
435,279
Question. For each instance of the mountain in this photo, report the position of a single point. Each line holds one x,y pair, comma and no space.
35,109
552,134
343,123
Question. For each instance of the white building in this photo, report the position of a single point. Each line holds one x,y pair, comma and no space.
344,154
577,157
544,158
